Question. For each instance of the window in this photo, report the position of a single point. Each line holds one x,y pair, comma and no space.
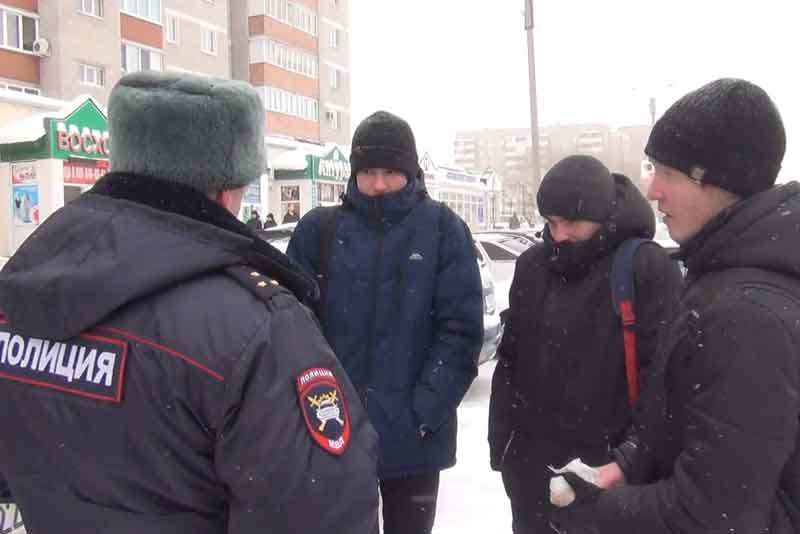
91,7
334,78
281,55
148,9
208,41
18,30
497,253
173,29
334,38
280,101
293,14
326,192
20,89
333,119
136,58
92,75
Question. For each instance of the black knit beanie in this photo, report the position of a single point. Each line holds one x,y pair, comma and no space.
727,133
385,141
577,188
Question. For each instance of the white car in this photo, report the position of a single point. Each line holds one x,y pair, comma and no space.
502,251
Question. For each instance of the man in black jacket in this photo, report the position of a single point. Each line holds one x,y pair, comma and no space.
717,447
559,389
156,367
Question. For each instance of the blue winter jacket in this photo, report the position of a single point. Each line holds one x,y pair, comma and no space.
404,316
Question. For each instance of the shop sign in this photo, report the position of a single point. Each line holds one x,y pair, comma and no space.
461,177
333,166
86,172
334,169
84,133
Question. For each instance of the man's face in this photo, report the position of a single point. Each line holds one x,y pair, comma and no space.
571,231
377,182
686,204
230,199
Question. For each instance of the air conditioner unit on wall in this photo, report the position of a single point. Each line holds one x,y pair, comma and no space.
41,47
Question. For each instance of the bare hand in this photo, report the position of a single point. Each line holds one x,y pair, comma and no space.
609,475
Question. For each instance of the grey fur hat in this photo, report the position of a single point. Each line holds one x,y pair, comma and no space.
201,132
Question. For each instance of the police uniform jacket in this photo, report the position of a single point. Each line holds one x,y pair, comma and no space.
158,374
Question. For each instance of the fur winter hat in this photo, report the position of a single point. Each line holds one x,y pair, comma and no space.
385,141
201,132
727,133
577,188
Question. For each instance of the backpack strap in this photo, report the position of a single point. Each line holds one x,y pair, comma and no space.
623,298
327,227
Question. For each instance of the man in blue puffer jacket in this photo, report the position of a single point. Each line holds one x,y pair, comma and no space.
403,311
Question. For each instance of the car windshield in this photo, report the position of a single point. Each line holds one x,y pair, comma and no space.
517,244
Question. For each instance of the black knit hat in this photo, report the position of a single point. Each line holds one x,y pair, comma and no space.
727,133
385,141
577,188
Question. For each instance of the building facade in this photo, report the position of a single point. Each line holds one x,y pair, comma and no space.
63,49
509,153
296,52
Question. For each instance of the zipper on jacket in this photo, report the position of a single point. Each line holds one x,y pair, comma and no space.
376,266
505,449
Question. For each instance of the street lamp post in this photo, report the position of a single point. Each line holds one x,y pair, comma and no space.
532,86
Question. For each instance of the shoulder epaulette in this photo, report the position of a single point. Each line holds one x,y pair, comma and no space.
261,285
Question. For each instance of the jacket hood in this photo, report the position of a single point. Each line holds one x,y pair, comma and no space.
130,236
631,214
761,231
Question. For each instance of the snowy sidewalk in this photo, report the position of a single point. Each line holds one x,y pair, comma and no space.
471,496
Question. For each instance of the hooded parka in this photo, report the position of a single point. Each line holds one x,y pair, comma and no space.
159,389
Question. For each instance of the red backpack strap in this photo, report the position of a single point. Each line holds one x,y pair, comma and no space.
623,298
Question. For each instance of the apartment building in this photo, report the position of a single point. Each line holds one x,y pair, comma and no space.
506,151
61,49
297,53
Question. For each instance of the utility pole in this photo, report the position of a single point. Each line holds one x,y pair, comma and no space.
652,108
535,178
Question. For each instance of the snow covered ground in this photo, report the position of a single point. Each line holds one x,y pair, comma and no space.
471,496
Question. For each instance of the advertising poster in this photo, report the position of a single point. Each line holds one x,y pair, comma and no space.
23,173
25,204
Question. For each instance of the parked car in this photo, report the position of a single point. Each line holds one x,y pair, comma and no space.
502,250
279,236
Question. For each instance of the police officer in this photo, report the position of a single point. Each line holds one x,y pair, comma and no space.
156,367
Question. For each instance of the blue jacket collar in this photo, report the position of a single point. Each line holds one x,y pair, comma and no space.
392,207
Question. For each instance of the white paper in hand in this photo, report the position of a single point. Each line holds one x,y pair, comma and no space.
561,493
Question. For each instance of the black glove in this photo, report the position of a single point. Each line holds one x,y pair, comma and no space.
567,520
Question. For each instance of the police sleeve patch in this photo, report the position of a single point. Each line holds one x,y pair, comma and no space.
324,409
88,366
